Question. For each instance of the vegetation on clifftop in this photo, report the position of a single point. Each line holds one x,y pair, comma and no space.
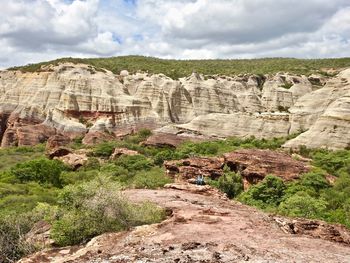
182,68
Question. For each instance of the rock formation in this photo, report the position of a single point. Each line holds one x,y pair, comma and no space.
206,227
77,99
253,165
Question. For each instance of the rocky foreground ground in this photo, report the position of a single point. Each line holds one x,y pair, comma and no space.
204,226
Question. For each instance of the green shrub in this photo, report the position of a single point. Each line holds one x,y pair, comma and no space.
104,149
21,198
314,180
43,171
268,193
12,232
134,163
303,205
81,175
332,161
151,179
91,164
95,207
230,183
144,133
163,155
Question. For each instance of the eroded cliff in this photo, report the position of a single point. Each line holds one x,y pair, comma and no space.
76,99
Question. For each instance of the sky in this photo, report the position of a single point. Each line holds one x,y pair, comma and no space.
40,30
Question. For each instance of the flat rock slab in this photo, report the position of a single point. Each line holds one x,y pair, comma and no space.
202,228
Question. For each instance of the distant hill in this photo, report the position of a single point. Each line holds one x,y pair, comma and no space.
181,68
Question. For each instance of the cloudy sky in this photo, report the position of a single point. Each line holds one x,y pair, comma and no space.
37,30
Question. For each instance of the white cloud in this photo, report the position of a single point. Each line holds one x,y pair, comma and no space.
35,30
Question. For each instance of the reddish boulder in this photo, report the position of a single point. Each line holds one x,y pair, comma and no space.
17,131
39,235
34,134
73,160
58,152
122,151
57,140
314,228
95,137
192,167
164,140
254,165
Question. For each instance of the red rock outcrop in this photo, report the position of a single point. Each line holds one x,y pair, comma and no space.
192,167
255,164
96,137
207,228
57,140
40,235
122,151
74,160
160,139
314,228
58,152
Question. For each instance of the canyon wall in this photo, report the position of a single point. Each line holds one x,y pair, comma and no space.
77,99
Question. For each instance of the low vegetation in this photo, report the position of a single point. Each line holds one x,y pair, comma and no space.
87,202
183,68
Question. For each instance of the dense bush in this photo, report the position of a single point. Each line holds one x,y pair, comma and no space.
43,171
303,205
267,194
334,162
134,163
230,183
104,149
151,179
96,207
14,155
12,232
19,198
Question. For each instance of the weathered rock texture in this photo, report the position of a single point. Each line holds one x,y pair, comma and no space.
190,168
253,165
77,99
209,228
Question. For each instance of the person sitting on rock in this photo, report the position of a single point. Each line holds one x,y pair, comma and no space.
200,180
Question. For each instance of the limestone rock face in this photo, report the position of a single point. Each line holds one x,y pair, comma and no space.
325,114
238,124
77,99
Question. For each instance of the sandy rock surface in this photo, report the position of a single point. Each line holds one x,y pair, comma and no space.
206,227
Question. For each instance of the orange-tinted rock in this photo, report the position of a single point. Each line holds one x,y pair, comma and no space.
207,228
74,160
34,134
192,167
165,140
58,152
57,140
96,137
314,228
122,151
39,235
255,164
